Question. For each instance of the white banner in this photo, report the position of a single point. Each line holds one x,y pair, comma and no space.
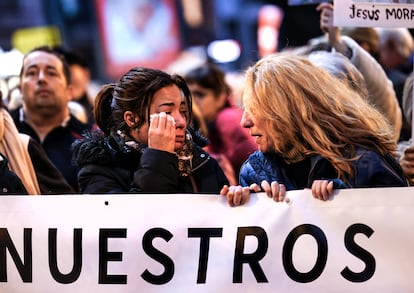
372,13
360,241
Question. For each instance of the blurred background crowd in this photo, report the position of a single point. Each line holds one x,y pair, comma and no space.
102,39
110,36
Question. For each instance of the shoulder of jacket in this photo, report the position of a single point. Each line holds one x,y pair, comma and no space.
91,148
77,125
199,156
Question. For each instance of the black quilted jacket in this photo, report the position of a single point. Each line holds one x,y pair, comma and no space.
371,170
110,166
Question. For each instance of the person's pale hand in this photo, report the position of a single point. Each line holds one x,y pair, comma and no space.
322,189
161,132
238,195
274,190
326,17
407,163
327,26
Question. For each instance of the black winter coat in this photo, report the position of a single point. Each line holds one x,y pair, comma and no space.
110,166
10,183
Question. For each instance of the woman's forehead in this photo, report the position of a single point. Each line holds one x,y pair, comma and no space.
169,95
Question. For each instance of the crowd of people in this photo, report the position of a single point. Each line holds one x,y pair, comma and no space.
324,116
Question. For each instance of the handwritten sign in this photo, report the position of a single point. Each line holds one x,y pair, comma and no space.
373,14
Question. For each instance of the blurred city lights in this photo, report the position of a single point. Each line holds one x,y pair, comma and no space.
223,51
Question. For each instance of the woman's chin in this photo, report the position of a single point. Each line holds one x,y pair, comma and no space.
178,145
262,148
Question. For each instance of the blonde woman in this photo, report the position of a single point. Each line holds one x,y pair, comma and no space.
313,131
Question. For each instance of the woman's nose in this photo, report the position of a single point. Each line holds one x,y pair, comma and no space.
180,121
246,121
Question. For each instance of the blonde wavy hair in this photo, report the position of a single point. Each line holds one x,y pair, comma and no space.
306,109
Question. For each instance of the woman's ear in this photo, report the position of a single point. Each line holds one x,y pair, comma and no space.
130,119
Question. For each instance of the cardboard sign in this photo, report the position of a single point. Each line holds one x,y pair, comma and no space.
365,13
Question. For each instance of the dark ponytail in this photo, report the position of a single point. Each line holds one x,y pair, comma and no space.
102,107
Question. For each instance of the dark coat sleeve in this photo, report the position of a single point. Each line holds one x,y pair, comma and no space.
10,183
99,179
210,179
158,172
50,180
373,170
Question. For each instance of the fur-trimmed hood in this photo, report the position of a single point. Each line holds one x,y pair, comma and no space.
97,148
